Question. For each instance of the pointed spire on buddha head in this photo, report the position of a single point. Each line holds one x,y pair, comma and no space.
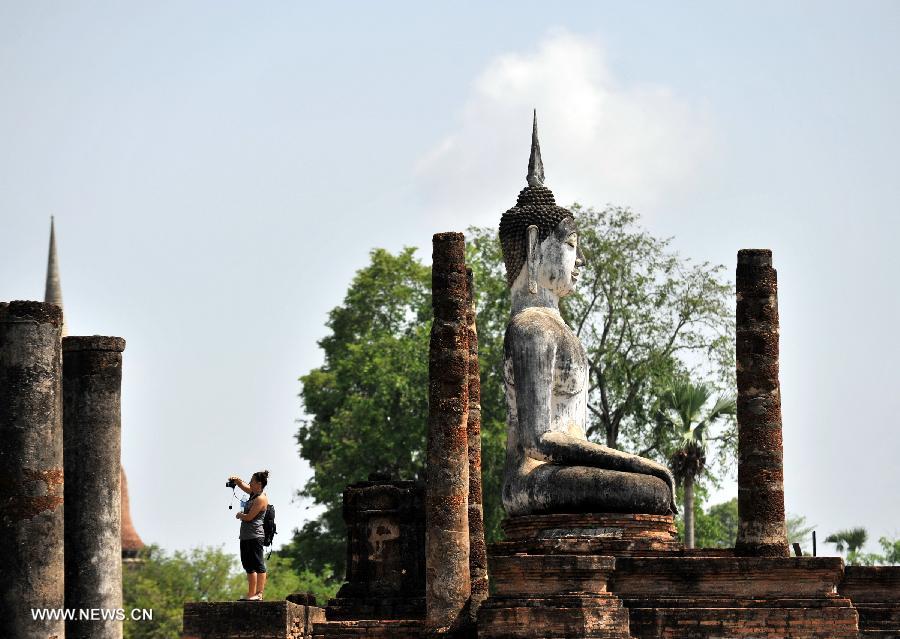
535,164
535,206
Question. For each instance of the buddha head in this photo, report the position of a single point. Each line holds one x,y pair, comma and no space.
539,238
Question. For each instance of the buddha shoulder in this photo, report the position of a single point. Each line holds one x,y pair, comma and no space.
535,324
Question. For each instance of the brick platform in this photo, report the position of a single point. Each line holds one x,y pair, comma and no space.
753,597
875,592
668,592
551,597
249,620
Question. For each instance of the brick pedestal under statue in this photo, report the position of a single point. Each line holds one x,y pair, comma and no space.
668,592
551,596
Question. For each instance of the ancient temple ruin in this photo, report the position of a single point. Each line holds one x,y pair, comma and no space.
589,547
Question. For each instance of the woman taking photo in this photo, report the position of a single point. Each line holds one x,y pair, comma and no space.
251,535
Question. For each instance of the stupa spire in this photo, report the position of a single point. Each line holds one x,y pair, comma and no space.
535,164
53,289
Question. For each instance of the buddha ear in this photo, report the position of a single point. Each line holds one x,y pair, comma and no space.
531,257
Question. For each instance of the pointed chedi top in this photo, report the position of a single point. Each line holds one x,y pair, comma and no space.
53,289
535,164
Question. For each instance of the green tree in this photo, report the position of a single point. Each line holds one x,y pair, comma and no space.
682,408
647,317
851,539
368,402
891,549
163,582
284,580
717,526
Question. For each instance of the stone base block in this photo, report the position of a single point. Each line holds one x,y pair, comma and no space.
875,592
734,597
741,577
749,619
370,629
554,617
249,620
551,597
347,609
615,534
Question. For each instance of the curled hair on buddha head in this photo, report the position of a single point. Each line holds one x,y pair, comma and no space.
262,477
535,206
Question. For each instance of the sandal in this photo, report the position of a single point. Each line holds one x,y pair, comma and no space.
256,597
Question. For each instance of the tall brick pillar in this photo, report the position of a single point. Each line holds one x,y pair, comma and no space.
447,577
92,385
477,549
31,463
761,525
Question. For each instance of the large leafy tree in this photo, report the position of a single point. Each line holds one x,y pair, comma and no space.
682,407
645,315
368,402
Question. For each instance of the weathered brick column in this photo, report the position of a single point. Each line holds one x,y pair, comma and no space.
92,427
447,577
761,525
31,463
477,550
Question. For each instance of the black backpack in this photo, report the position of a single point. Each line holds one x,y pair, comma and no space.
269,528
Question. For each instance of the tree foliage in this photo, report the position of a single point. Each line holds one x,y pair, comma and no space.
368,403
717,525
163,582
646,316
853,539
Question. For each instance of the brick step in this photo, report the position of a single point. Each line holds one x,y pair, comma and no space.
740,623
370,629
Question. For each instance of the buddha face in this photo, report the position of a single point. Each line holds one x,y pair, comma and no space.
559,259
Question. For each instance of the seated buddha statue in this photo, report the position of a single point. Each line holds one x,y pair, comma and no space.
551,466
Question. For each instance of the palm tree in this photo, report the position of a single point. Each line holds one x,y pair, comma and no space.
852,538
681,408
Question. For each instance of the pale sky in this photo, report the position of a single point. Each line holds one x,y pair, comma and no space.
219,170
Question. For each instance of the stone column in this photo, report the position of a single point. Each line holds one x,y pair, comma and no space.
31,463
92,384
761,525
447,577
477,549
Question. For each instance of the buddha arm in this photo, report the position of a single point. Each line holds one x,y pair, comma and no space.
533,358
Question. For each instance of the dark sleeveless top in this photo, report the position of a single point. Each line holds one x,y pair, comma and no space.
252,529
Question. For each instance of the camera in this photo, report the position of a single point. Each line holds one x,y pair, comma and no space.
230,483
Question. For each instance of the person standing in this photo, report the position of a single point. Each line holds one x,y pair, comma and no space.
251,533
